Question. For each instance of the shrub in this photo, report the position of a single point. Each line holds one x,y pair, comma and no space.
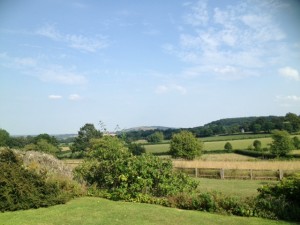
282,200
228,146
24,189
111,167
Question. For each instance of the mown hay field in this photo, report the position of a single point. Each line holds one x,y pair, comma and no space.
255,165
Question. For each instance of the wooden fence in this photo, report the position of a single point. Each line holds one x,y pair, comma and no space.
243,174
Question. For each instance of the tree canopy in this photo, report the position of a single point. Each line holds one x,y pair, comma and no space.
185,145
85,134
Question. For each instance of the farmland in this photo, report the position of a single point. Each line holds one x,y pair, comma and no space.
93,211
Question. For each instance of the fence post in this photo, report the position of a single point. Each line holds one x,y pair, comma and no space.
251,174
196,172
280,174
222,173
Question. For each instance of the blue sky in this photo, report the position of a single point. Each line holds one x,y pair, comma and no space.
64,63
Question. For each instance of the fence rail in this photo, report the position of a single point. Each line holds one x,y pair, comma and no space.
243,174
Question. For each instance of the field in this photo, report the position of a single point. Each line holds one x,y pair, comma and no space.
218,142
240,188
94,211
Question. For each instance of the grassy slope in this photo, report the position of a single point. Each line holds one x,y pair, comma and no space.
94,211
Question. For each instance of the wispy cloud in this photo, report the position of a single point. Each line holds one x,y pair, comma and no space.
80,42
289,73
288,101
234,41
75,97
55,97
43,71
162,89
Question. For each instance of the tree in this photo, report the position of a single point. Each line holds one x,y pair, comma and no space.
50,139
228,146
4,137
185,145
155,137
293,120
136,149
282,143
42,145
296,142
85,134
257,145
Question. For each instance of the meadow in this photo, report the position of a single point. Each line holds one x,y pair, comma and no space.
239,188
94,211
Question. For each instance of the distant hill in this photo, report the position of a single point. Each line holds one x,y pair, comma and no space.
147,128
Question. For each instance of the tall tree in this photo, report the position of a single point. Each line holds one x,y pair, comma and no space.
85,134
4,137
282,143
185,145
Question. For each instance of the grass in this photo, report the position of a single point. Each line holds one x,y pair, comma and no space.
94,211
226,157
212,145
240,188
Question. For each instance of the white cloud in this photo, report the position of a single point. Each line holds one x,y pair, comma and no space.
42,71
198,14
291,98
80,42
244,36
162,89
55,97
75,97
290,73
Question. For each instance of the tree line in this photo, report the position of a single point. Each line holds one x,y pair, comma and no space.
263,124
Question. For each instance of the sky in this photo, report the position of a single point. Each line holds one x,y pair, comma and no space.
128,63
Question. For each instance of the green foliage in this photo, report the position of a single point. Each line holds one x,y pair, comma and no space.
228,146
136,149
23,189
213,202
156,137
281,201
42,145
282,143
296,142
85,134
185,145
112,168
4,137
257,145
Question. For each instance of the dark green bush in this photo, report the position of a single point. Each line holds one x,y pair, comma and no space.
23,189
281,201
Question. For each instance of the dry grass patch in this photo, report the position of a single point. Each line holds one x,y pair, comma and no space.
255,165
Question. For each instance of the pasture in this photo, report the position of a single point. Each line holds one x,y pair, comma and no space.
239,188
94,211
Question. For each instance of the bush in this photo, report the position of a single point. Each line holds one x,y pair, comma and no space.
111,167
212,202
24,189
228,146
281,201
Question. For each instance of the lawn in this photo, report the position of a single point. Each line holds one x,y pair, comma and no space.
240,188
95,211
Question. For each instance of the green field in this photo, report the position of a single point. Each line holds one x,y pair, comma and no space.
95,211
212,145
240,188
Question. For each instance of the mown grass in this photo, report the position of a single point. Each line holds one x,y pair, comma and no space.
95,211
240,188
